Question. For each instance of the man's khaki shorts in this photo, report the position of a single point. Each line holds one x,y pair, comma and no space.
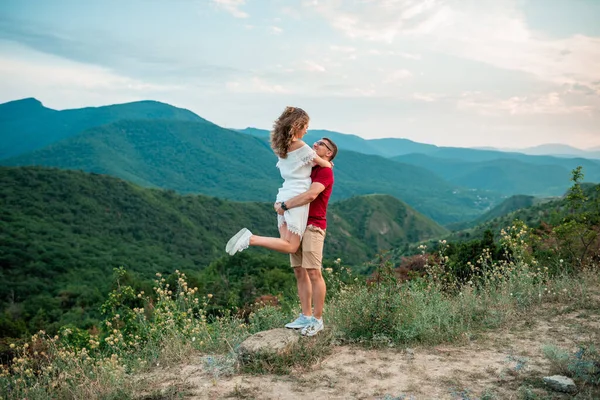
310,252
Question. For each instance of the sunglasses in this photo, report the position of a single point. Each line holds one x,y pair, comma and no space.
322,143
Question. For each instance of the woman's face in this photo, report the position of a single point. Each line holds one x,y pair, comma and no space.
303,131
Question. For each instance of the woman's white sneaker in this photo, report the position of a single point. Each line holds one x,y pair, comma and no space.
240,241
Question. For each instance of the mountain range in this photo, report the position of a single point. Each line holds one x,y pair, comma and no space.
157,145
507,173
201,157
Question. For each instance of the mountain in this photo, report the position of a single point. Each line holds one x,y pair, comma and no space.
504,176
200,157
189,157
62,233
381,147
502,171
26,125
510,205
533,212
380,221
560,150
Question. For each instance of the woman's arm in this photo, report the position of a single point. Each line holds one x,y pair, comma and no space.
321,162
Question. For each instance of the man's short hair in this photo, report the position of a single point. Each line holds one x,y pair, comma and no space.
333,148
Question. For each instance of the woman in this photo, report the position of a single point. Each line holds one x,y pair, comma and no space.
296,160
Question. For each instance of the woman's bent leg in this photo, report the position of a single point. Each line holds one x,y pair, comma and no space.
288,242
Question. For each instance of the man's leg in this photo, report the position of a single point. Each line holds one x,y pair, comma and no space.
318,291
305,292
312,261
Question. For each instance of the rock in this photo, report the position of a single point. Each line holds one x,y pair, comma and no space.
560,383
274,341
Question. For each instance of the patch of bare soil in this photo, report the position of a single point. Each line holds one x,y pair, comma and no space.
498,364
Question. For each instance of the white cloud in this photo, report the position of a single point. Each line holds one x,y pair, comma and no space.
48,76
314,67
552,103
255,85
232,7
489,31
364,92
382,20
398,75
343,49
411,56
427,97
276,30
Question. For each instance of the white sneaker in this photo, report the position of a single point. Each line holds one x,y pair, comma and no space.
300,322
314,327
240,241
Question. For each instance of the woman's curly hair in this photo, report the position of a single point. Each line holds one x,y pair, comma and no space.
285,127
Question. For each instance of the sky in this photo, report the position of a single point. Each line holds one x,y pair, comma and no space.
467,73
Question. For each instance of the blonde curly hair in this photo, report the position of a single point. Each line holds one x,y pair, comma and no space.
285,127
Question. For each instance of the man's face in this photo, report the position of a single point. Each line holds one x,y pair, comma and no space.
321,148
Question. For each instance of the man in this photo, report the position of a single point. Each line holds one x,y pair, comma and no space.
307,261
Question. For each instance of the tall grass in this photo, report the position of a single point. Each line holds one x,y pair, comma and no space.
141,332
439,308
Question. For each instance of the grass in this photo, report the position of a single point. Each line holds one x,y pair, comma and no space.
142,332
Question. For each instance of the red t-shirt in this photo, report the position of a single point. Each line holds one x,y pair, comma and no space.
317,212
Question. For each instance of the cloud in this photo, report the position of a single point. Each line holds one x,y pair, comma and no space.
314,67
552,103
343,49
64,84
398,75
276,30
427,97
487,31
381,20
232,7
150,60
255,85
411,56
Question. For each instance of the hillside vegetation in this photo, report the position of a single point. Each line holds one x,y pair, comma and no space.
527,310
200,157
63,232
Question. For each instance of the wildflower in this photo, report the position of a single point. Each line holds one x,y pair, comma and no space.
12,345
209,296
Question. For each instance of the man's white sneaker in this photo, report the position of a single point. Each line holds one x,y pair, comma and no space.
314,327
240,241
299,323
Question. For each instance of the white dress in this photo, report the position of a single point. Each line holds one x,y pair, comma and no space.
295,170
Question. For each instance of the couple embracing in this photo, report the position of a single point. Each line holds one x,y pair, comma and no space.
301,207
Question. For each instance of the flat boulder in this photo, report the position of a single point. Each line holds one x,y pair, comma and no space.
274,341
560,383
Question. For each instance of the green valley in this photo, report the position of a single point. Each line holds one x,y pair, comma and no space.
63,232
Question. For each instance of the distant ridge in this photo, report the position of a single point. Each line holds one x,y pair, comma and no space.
26,125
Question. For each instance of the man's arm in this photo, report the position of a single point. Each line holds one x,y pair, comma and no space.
303,198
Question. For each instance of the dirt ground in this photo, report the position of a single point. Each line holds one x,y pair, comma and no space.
500,364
